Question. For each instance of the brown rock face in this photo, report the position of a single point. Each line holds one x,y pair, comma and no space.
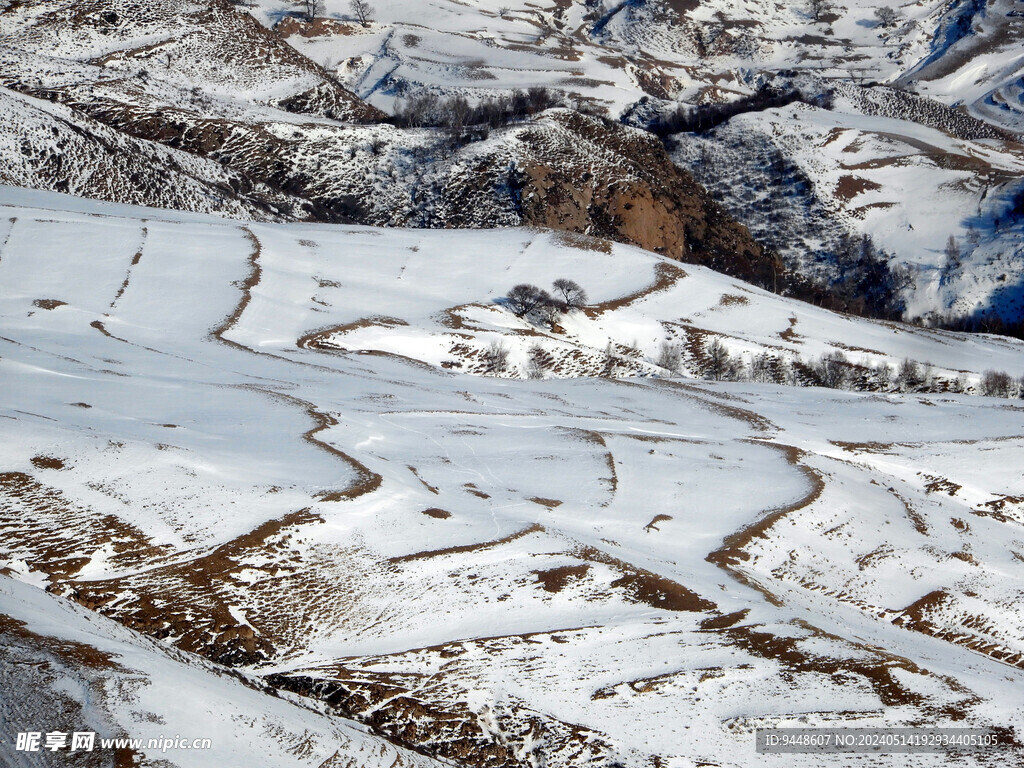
580,174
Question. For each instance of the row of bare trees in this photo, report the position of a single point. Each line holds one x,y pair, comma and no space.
527,299
361,10
428,109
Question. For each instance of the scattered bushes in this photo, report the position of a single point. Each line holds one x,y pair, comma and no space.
714,361
428,109
833,370
704,117
996,384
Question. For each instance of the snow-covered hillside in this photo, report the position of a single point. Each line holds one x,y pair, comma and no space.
911,176
271,115
266,445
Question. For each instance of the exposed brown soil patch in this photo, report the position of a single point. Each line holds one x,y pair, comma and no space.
556,579
705,399
877,672
320,27
366,480
47,462
98,325
187,603
643,586
128,274
941,484
790,333
853,348
549,503
582,242
1000,504
850,186
32,514
479,547
732,553
450,318
868,447
246,285
931,612
596,438
724,621
731,300
426,485
653,525
49,303
437,514
430,715
72,653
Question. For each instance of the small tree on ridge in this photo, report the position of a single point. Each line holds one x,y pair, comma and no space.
362,10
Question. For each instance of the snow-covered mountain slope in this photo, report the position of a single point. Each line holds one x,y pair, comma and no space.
705,50
243,440
267,108
49,146
910,187
66,669
561,170
636,58
179,45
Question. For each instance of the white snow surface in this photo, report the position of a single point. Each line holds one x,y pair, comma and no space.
211,428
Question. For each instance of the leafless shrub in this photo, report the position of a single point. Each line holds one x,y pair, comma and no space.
670,357
538,363
833,370
496,357
909,376
996,384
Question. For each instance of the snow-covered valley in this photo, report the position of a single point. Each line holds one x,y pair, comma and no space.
273,447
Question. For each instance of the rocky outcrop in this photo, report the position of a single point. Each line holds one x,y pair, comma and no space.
561,169
572,172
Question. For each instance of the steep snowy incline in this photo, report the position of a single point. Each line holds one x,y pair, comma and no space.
67,669
244,441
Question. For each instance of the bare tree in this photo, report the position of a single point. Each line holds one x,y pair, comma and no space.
883,376
909,377
953,258
609,361
538,362
761,368
313,8
572,295
670,357
419,110
525,298
886,16
362,10
718,362
819,8
456,113
833,370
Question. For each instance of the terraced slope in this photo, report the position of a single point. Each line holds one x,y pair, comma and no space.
242,440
